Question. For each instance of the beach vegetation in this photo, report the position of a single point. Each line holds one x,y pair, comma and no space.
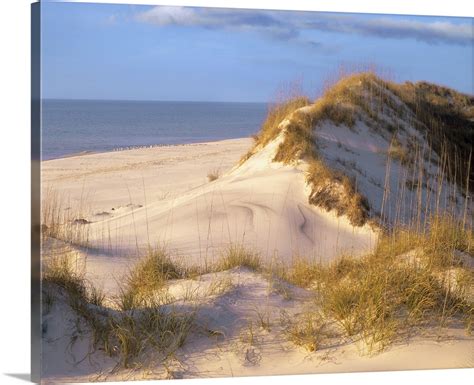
60,222
237,255
213,175
309,330
146,332
412,279
147,277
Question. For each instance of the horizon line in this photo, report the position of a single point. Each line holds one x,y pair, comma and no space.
156,100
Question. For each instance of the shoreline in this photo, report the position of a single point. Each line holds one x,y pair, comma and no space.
140,147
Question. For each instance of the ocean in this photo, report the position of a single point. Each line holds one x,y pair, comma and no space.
77,126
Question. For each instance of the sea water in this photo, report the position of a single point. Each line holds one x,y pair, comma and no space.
77,126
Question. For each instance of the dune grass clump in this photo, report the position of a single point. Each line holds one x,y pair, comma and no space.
447,235
412,279
276,114
333,190
339,105
236,255
308,330
146,332
380,295
61,278
147,277
213,175
271,126
59,271
298,140
146,336
437,245
382,298
302,272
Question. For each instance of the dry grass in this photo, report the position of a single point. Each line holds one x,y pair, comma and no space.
236,255
298,140
437,244
302,272
147,277
382,294
379,297
145,333
213,175
333,190
60,222
308,273
271,126
446,116
263,319
276,114
397,151
309,330
147,336
61,272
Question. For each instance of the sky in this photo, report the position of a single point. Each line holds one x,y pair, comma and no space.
131,52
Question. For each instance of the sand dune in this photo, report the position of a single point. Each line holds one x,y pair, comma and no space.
239,345
144,197
198,199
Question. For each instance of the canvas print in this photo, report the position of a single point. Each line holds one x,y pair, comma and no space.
236,192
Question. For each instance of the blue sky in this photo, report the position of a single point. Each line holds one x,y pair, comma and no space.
103,51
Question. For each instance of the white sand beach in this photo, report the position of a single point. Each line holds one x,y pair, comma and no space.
134,198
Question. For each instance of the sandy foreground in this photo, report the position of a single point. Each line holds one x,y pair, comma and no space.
131,199
229,340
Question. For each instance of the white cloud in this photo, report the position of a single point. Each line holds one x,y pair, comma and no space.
288,25
164,15
397,28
